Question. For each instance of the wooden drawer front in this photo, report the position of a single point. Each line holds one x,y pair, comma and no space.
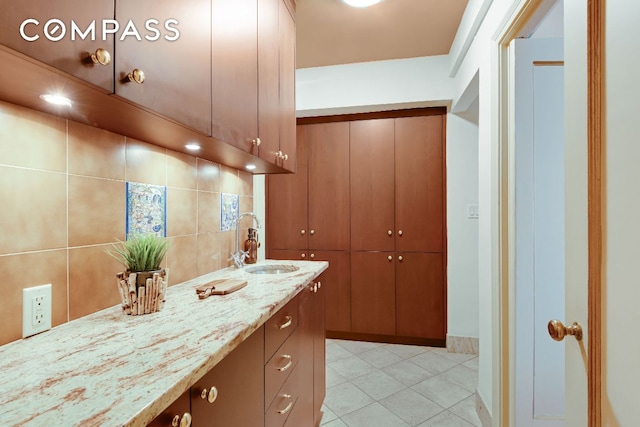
279,327
284,402
281,365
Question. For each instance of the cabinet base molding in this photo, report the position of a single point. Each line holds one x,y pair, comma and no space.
465,345
481,410
389,339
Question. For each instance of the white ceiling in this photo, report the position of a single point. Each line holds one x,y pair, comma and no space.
330,32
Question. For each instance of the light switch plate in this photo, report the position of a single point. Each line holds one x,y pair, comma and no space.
473,211
36,310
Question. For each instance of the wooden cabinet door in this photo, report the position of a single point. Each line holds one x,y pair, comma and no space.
319,349
177,73
373,293
419,184
178,409
70,56
420,296
372,185
336,287
306,331
234,72
329,215
269,79
287,205
239,380
288,254
287,80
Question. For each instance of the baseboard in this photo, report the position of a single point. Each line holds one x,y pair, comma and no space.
391,339
466,345
482,411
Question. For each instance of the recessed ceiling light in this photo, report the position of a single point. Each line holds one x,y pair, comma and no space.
361,3
251,167
193,146
56,99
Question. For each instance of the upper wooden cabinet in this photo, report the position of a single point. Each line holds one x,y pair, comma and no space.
234,72
177,80
276,83
71,56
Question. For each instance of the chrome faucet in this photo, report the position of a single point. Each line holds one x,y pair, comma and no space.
239,255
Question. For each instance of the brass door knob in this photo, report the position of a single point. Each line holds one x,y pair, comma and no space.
390,258
558,331
399,232
400,258
312,232
211,395
312,256
256,142
319,285
136,76
184,421
101,56
390,233
302,232
303,256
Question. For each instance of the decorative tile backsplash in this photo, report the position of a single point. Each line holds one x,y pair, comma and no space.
146,209
229,211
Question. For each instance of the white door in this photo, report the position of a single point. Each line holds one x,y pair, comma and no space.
539,233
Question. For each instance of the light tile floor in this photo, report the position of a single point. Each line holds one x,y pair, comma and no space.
391,385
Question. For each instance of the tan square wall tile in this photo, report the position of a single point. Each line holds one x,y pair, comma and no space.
182,212
146,163
96,152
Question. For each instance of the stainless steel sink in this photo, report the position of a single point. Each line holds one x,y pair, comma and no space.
272,269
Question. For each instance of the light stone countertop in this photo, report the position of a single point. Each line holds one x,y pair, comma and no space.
110,369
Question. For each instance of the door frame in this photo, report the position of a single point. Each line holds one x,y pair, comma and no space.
517,20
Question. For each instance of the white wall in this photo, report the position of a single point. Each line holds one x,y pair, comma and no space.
373,86
462,232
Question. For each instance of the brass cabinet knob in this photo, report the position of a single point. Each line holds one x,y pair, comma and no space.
390,233
400,258
285,157
210,396
256,142
303,232
390,258
101,56
280,155
312,232
319,285
136,76
184,421
558,331
303,256
312,256
399,232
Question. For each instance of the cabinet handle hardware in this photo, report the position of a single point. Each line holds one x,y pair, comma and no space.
289,363
390,233
184,421
312,232
311,288
289,406
399,232
285,157
312,256
287,322
390,258
101,56
280,155
319,285
302,232
303,256
400,258
315,287
210,396
136,76
256,142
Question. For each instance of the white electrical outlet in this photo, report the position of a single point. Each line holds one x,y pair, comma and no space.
36,310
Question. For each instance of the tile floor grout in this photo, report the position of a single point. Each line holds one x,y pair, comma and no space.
389,385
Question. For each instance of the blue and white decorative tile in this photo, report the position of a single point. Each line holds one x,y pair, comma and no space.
229,211
146,209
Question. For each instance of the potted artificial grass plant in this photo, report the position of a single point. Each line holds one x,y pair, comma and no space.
143,285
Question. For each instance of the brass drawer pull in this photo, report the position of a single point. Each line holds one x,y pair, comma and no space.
289,363
287,323
289,406
184,421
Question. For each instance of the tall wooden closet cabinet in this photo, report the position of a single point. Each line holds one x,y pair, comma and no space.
368,195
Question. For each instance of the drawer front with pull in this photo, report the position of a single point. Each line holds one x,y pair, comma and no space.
284,402
280,367
279,327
